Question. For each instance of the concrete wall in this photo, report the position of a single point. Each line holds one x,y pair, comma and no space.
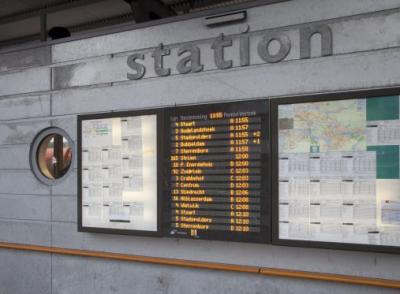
49,86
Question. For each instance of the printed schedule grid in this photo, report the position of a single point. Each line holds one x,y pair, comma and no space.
339,171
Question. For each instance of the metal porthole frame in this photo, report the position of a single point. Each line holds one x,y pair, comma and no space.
34,150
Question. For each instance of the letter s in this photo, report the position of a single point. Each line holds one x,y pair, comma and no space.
139,68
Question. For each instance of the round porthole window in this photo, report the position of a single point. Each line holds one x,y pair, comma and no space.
51,155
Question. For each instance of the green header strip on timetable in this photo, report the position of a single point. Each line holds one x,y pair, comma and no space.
383,108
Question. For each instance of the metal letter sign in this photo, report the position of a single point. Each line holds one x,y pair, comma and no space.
191,60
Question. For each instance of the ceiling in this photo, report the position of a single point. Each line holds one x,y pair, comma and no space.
21,20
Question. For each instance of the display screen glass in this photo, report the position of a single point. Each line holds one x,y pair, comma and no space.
217,172
119,183
338,171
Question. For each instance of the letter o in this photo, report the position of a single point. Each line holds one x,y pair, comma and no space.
284,48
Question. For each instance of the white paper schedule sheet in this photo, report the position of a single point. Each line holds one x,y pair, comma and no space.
339,170
119,173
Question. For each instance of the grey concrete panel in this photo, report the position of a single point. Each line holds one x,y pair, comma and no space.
68,186
68,124
25,207
61,75
22,132
25,232
265,17
21,182
352,71
307,259
26,58
365,33
24,272
30,80
64,209
107,69
14,156
24,107
80,275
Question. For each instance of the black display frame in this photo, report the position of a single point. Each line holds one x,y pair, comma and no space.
264,236
159,112
275,168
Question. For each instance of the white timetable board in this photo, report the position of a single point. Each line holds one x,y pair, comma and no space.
338,171
119,173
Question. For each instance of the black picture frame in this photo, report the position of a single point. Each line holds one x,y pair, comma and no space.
275,168
160,154
262,105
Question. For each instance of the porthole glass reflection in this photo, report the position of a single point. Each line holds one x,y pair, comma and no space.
54,156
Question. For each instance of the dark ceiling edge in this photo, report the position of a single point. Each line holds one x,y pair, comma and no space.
87,26
36,12
107,22
134,26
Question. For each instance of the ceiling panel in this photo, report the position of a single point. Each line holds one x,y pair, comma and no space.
20,29
97,15
90,13
9,7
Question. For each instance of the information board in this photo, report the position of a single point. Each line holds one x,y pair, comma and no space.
118,182
336,160
217,172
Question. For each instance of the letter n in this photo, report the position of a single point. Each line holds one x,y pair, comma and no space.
306,34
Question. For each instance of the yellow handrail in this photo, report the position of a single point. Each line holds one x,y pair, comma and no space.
365,281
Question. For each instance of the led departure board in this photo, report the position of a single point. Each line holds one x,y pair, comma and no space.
337,182
217,172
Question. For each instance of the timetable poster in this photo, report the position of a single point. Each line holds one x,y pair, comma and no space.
119,173
339,174
218,172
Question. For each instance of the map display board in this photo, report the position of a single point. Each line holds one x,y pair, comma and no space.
338,173
218,172
118,182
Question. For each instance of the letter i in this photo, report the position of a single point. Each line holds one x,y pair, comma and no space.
245,50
